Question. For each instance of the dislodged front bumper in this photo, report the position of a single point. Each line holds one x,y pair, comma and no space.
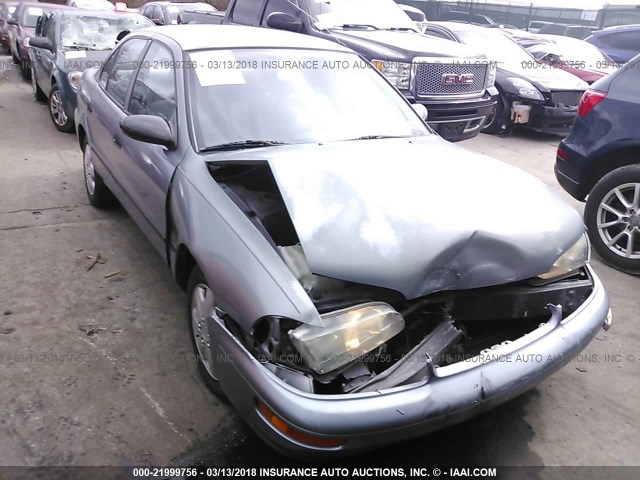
557,120
370,420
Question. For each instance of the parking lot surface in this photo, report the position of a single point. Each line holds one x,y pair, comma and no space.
96,364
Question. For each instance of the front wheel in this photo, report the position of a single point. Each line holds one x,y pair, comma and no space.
202,306
612,216
99,194
56,109
38,94
497,122
25,69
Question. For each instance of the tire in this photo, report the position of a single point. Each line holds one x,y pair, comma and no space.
25,70
38,94
499,119
14,57
621,229
99,194
201,301
56,111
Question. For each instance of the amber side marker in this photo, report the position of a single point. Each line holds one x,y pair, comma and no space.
294,433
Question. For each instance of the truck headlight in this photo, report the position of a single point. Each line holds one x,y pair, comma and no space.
74,79
398,73
347,335
574,258
491,74
525,89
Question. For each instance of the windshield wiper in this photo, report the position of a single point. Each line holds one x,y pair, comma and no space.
241,145
401,29
375,137
356,25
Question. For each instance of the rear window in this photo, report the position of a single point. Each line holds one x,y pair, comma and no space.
31,15
623,40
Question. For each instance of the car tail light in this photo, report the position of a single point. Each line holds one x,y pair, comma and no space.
120,7
590,99
561,154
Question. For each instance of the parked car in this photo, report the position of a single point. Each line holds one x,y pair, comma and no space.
575,31
620,43
575,56
6,11
455,83
92,4
536,25
328,286
531,94
67,42
166,13
466,17
600,161
24,22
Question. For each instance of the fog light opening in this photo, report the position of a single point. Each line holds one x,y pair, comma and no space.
293,433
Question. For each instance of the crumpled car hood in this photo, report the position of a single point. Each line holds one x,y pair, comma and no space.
418,216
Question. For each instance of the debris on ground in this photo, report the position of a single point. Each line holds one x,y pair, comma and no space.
7,330
112,274
90,329
8,312
581,369
94,260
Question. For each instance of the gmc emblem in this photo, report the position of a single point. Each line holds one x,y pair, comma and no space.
457,79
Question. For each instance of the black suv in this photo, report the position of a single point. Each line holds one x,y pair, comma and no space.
600,161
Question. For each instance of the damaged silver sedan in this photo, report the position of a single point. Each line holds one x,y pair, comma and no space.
353,279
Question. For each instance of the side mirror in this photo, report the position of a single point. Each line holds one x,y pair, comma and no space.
284,21
12,21
41,42
421,110
148,129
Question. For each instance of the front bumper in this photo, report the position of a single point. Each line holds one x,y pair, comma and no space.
556,120
370,420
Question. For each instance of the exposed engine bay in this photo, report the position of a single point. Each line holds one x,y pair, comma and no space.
374,338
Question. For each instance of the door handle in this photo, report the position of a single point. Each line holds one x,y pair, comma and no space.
117,142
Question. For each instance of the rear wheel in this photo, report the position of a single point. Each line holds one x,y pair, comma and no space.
612,216
38,94
25,69
15,57
202,306
99,194
56,109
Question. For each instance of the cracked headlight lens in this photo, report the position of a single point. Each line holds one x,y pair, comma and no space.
574,258
525,89
74,79
347,335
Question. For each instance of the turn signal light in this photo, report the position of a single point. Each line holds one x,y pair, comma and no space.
562,155
293,433
590,99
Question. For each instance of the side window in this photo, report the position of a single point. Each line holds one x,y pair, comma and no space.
157,14
124,65
284,6
436,34
154,91
246,12
623,40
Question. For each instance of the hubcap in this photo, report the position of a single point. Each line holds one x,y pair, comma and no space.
203,308
618,220
89,171
57,110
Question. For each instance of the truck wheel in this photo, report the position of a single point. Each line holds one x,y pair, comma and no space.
612,216
499,118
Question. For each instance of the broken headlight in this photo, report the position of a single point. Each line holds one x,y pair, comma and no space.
347,335
574,258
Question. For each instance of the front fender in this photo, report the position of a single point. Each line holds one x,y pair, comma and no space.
247,276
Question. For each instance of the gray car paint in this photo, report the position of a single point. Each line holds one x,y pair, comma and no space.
250,280
418,215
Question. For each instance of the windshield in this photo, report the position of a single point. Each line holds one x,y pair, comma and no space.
381,14
174,10
293,96
31,16
97,33
578,53
499,47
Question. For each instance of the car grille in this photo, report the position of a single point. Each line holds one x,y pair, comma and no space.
570,99
429,78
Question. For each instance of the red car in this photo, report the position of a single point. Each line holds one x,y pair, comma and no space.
6,11
570,54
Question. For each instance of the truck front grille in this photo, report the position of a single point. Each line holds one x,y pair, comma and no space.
442,79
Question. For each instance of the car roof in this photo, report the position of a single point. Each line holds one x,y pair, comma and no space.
203,36
76,12
618,27
459,27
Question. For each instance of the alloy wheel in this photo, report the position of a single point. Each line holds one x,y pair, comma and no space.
57,110
89,170
203,308
618,220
